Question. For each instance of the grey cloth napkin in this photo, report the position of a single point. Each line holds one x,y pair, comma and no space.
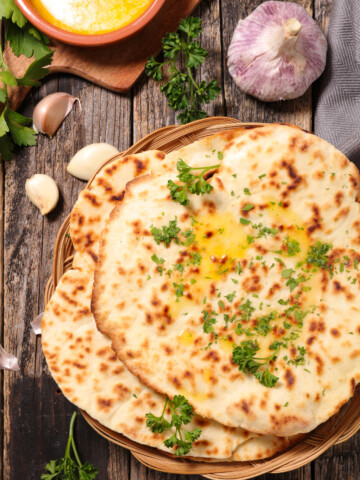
337,94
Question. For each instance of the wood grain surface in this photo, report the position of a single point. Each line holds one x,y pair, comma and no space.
35,415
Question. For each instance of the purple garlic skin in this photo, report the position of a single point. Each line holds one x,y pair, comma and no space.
277,52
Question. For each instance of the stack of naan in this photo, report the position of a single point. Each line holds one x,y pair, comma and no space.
266,263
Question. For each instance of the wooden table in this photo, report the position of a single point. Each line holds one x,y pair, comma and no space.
35,413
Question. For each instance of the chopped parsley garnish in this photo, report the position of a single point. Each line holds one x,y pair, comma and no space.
246,309
247,207
195,258
166,233
181,414
179,290
190,237
190,183
209,321
157,260
220,155
292,246
300,358
244,221
263,326
230,297
247,191
264,231
317,255
244,356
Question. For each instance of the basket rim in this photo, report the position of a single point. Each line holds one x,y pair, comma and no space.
310,447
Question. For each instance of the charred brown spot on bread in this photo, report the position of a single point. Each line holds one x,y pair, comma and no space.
68,299
310,340
104,404
319,364
273,289
289,378
92,198
140,167
175,381
343,213
317,326
212,356
315,220
335,332
167,349
245,407
252,284
160,155
209,206
339,196
338,287
121,391
118,197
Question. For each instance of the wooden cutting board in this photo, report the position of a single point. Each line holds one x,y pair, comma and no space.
115,67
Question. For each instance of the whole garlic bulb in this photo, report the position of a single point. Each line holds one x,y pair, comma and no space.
277,52
89,159
43,192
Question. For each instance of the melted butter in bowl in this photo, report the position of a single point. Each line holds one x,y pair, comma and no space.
90,17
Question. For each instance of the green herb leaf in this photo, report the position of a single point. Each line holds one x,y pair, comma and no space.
181,414
247,207
244,355
190,183
68,468
182,91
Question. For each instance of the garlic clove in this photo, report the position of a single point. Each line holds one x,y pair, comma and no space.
51,111
36,324
8,361
43,192
89,159
277,52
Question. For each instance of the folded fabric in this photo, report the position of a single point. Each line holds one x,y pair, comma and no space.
337,94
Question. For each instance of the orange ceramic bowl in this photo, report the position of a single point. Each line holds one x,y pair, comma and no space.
89,40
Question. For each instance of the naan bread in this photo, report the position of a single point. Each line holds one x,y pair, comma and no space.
86,369
292,190
81,359
106,191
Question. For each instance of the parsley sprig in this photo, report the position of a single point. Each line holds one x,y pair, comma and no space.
181,90
244,357
181,414
190,183
23,39
68,468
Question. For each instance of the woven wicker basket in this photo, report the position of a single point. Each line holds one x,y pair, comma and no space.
336,430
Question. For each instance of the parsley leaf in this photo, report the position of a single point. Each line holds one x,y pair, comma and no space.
190,183
181,414
181,90
244,357
66,466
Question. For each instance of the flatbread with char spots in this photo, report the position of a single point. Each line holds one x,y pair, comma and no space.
246,300
81,359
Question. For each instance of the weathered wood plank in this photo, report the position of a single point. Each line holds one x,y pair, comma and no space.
36,415
244,107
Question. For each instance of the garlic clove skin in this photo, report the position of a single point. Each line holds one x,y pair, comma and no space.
277,52
89,159
51,111
43,192
8,361
36,323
